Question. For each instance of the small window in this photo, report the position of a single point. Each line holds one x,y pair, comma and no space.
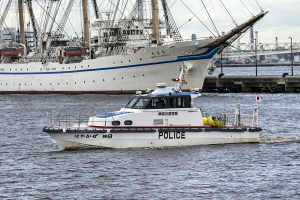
128,122
158,103
173,102
181,102
132,32
115,123
124,32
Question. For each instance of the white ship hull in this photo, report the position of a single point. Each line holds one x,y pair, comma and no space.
110,74
149,139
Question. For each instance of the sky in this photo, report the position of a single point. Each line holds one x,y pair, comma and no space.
282,21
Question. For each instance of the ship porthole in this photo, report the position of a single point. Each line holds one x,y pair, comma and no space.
128,122
115,123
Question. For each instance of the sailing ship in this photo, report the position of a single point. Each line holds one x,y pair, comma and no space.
125,54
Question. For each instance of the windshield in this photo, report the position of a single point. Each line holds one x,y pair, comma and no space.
141,103
131,103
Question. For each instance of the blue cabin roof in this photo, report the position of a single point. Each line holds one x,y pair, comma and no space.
167,94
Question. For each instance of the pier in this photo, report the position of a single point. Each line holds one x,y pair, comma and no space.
252,83
259,65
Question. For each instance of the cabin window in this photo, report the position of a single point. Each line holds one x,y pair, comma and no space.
124,32
128,32
141,32
140,103
177,102
132,32
181,102
131,103
115,123
173,103
128,122
158,103
137,32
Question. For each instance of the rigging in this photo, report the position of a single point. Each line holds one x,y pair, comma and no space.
247,8
210,18
198,18
228,13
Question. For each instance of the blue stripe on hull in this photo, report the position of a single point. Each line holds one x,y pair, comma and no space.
207,54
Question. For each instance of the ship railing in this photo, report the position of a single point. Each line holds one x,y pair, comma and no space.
68,120
223,120
243,120
78,120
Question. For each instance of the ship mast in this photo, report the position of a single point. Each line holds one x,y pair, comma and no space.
155,21
85,22
21,19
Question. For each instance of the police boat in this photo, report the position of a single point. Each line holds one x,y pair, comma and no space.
162,118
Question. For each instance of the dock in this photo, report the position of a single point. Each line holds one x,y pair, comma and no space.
252,83
258,65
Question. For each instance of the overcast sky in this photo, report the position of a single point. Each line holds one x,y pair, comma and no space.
282,21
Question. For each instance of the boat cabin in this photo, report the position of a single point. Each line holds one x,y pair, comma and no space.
161,101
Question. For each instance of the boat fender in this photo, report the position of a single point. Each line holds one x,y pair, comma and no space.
210,121
204,120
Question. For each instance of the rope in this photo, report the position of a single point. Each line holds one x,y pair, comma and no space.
191,18
258,5
197,18
50,16
210,18
228,13
247,8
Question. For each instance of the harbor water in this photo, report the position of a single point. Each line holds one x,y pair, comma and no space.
33,166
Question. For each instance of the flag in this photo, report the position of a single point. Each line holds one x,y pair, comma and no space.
257,98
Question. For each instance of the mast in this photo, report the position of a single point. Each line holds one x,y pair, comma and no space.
155,21
21,19
85,22
140,10
166,16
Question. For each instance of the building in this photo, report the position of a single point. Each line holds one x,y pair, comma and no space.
194,37
8,34
29,39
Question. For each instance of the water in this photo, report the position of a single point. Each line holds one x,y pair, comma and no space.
33,166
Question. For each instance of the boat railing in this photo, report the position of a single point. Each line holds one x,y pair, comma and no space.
67,120
77,120
223,120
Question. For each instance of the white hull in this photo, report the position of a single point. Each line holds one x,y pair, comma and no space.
116,74
155,139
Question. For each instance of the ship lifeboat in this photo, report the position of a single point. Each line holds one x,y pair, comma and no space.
75,51
11,52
